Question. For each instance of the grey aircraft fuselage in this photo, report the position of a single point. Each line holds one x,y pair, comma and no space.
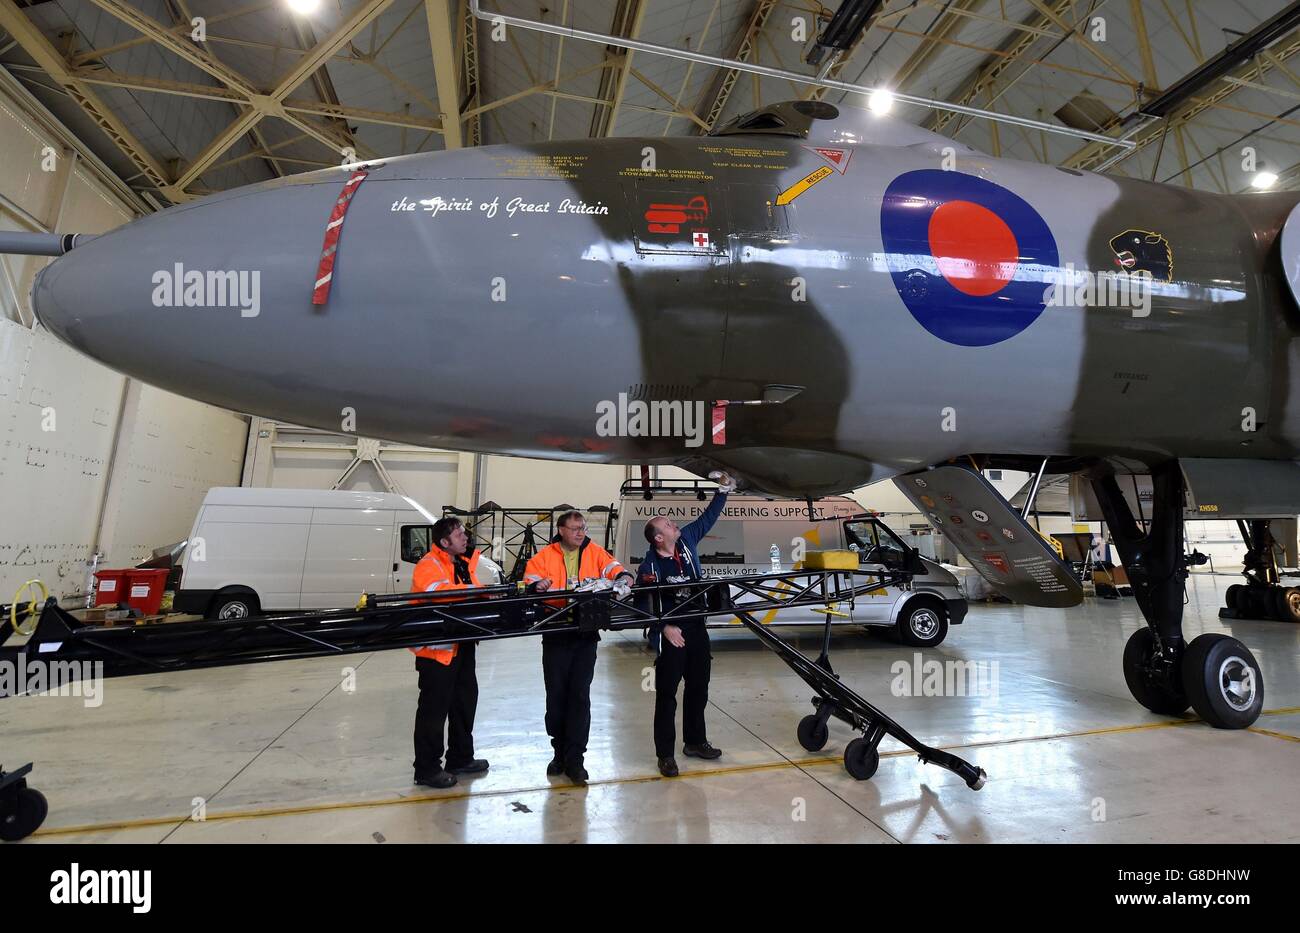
918,293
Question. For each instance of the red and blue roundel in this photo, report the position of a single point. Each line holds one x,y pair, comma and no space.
969,258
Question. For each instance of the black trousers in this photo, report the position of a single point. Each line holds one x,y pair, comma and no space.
568,664
448,699
692,663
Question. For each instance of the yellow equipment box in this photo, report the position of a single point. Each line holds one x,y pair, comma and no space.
830,560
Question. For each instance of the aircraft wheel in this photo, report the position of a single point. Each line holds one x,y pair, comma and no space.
861,759
25,817
813,735
1230,598
1286,603
1151,693
1257,603
1223,681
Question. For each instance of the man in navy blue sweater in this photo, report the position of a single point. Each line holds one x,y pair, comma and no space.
683,648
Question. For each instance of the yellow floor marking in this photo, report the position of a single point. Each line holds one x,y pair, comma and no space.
638,779
1276,735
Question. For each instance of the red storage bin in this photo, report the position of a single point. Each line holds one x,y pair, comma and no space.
145,590
110,587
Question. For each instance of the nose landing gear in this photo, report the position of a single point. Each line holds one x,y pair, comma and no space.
1216,674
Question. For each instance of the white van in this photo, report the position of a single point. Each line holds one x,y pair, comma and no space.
740,543
264,550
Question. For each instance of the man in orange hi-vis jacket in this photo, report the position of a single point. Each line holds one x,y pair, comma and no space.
448,685
569,658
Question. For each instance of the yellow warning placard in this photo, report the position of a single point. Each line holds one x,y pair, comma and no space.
803,184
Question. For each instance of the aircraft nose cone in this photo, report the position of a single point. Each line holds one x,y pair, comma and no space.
213,300
175,298
86,298
54,300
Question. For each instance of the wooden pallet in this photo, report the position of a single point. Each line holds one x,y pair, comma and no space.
111,617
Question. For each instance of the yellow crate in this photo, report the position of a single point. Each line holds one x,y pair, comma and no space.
830,560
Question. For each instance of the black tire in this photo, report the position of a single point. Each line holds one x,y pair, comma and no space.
1231,597
1286,603
813,735
1154,695
26,817
861,759
1223,681
1256,603
923,624
234,606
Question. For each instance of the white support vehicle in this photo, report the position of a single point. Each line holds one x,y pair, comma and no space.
253,551
919,610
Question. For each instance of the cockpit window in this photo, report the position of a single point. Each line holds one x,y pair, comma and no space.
816,109
761,121
786,118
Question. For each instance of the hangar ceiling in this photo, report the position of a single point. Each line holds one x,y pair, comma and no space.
261,90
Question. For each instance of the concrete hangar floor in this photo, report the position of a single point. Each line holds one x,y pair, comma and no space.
281,752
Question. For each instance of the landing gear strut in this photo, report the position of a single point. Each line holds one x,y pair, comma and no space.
1216,674
1262,596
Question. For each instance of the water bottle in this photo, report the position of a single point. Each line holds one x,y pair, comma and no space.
776,558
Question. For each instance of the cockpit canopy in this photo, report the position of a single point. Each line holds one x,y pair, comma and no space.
823,124
787,118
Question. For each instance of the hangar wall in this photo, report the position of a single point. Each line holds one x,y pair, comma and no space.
88,459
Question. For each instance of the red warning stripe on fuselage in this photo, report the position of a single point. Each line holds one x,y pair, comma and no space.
333,229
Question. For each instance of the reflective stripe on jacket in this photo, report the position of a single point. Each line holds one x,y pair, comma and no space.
593,561
436,573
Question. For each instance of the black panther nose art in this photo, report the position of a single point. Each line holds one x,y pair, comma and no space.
1146,251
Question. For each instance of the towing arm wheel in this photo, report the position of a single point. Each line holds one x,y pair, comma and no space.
1151,692
813,733
861,759
1223,681
24,815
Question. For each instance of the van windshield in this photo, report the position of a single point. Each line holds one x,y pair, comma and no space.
875,545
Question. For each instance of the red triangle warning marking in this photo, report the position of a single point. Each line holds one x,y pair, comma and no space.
838,158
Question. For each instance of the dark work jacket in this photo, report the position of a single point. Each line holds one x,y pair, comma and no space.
656,568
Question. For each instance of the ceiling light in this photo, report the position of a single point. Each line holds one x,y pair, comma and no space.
304,7
881,100
1263,180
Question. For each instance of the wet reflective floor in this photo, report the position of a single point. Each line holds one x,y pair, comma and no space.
287,752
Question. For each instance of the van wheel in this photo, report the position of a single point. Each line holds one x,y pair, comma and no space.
233,607
922,624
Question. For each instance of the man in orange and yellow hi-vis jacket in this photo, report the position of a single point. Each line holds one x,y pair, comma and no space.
569,658
448,685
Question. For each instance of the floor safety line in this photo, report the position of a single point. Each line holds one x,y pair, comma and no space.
795,763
